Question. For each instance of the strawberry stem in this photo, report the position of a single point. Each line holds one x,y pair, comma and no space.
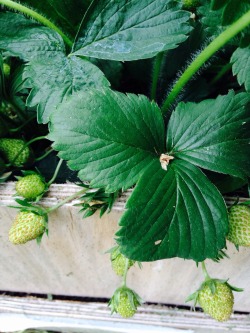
124,284
241,24
44,155
56,172
204,271
156,72
70,198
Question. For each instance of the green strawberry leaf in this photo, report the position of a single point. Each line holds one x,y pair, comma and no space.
177,212
218,4
131,29
241,66
77,75
233,10
213,134
211,20
67,14
109,137
26,39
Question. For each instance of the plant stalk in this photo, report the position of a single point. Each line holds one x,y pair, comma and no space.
204,271
207,53
156,72
68,199
56,172
38,17
124,284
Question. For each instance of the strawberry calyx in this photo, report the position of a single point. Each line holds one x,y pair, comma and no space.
125,302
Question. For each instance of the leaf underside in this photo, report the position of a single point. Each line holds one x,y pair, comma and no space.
213,134
108,136
128,30
173,213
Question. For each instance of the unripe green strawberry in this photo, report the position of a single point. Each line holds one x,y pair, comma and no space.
219,305
118,262
14,152
125,302
27,226
31,187
239,225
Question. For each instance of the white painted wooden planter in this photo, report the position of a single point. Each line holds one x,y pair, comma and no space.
72,260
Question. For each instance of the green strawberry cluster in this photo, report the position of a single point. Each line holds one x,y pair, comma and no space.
27,226
125,302
239,225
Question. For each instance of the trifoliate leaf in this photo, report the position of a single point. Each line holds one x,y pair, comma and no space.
131,29
67,76
177,212
26,39
241,66
213,134
108,136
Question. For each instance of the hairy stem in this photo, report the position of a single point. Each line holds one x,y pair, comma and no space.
56,172
156,72
207,53
41,19
68,199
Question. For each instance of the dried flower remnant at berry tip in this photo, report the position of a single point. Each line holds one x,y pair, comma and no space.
164,160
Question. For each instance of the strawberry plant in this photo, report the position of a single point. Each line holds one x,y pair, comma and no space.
151,95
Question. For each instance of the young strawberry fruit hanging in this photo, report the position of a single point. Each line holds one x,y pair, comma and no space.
215,298
125,302
239,225
32,186
14,151
118,261
27,225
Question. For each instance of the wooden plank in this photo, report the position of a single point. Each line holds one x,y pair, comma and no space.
72,260
23,313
